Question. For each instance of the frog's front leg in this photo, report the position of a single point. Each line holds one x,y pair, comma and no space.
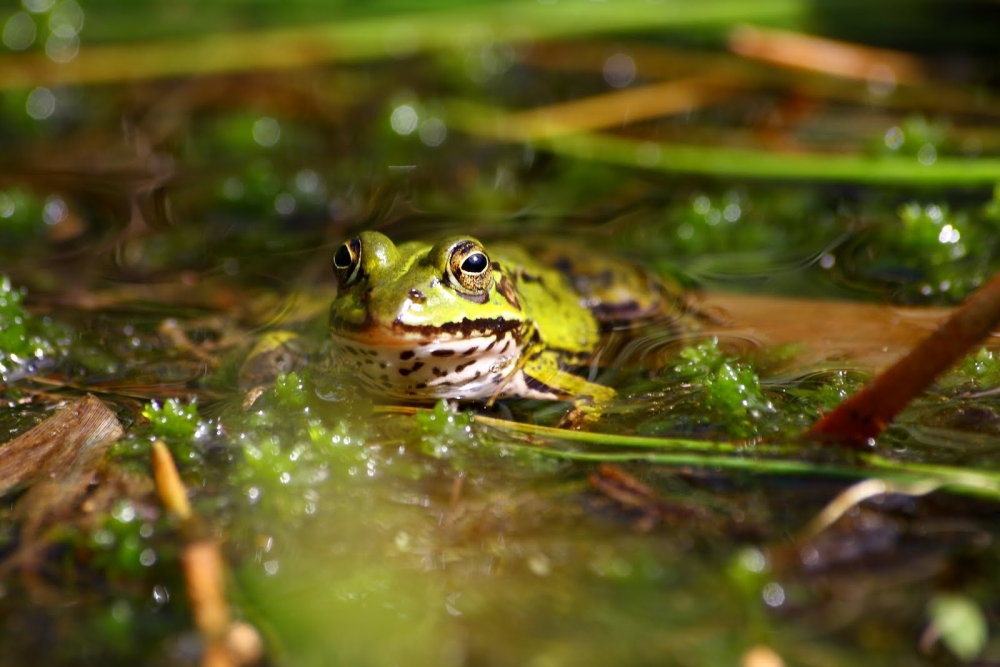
275,353
541,377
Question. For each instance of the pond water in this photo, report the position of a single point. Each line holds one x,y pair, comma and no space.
164,204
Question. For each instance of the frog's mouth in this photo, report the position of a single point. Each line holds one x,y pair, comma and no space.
399,333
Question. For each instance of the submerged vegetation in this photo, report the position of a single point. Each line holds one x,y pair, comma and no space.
176,180
25,342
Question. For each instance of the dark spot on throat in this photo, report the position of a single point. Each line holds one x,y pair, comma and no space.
406,371
406,354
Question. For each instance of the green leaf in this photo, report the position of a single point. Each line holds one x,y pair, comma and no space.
960,624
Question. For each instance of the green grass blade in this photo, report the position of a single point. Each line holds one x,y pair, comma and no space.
736,162
383,37
764,459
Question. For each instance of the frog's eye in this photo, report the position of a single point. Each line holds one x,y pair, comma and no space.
475,263
469,269
347,262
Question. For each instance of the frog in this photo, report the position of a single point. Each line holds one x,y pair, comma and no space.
453,319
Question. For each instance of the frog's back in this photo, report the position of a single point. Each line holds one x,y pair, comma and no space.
618,292
547,296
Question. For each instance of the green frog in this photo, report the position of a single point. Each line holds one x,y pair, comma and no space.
453,319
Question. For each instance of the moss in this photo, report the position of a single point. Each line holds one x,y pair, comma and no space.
25,342
290,391
20,213
931,252
13,320
730,391
294,442
443,431
173,421
915,136
978,372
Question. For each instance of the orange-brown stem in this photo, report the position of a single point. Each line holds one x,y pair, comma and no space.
867,413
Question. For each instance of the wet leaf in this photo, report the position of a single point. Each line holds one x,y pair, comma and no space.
66,444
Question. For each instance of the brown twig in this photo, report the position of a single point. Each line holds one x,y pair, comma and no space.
817,54
630,494
865,414
624,107
204,568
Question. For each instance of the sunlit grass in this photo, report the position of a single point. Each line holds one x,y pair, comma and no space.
719,161
394,35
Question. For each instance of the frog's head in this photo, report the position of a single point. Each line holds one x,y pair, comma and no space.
388,294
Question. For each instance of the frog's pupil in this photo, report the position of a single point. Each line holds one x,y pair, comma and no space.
343,258
475,263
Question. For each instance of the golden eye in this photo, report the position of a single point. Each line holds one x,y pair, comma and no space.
347,262
469,269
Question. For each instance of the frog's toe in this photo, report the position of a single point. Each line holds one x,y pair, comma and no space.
579,416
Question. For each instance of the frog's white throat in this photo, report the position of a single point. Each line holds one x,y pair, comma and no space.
463,368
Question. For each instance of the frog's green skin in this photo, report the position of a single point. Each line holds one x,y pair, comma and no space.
455,320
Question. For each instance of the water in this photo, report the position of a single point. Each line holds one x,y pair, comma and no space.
167,223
